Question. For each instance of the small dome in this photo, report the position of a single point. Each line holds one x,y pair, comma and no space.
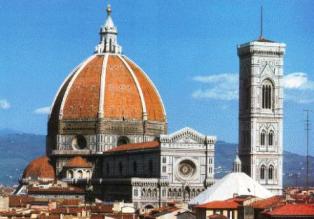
39,169
78,162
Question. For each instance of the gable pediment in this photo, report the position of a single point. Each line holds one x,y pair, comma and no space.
268,69
184,136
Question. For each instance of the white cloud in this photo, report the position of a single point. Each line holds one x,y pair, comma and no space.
43,110
4,104
218,87
298,80
298,87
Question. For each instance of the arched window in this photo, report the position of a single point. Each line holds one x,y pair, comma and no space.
70,174
149,193
267,95
143,193
262,172
123,140
263,136
88,174
169,193
271,172
134,167
110,45
80,174
271,138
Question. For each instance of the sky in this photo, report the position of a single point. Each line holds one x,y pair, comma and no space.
188,48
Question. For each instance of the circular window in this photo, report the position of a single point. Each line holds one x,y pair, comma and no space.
79,142
186,168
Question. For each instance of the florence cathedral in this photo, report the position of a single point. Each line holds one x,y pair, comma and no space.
107,130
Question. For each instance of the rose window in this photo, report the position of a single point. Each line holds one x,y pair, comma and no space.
186,168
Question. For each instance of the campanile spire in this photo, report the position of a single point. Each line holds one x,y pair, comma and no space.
108,36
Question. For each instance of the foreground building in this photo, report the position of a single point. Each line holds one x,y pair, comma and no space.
234,184
107,135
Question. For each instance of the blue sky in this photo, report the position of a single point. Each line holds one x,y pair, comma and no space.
176,42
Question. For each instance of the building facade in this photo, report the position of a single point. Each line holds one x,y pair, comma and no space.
261,111
176,168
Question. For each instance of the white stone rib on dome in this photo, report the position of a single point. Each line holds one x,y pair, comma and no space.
72,81
102,86
151,82
229,186
139,89
63,83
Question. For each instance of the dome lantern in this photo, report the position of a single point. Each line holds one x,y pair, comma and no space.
108,36
237,164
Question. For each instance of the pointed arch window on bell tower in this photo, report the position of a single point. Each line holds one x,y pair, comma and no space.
267,95
271,138
263,137
262,172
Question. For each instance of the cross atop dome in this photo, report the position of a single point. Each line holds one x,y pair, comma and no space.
108,36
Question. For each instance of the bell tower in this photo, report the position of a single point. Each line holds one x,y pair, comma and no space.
261,111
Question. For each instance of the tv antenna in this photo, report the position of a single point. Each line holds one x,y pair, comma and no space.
307,129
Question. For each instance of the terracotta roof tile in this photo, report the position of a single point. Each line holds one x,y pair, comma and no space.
228,204
18,201
78,162
267,203
136,146
122,99
83,97
55,190
217,216
102,208
293,210
40,168
153,103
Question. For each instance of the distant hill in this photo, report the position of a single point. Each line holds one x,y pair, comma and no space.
17,150
7,132
294,165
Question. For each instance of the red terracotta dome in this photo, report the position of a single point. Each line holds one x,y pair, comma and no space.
108,86
78,162
40,168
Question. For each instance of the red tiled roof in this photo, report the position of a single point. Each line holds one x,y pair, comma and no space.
82,100
70,202
217,216
19,201
219,205
43,216
102,208
67,210
14,214
154,106
136,146
56,190
293,210
40,168
267,203
78,162
127,89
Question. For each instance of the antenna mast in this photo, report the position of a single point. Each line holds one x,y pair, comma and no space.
261,31
307,129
